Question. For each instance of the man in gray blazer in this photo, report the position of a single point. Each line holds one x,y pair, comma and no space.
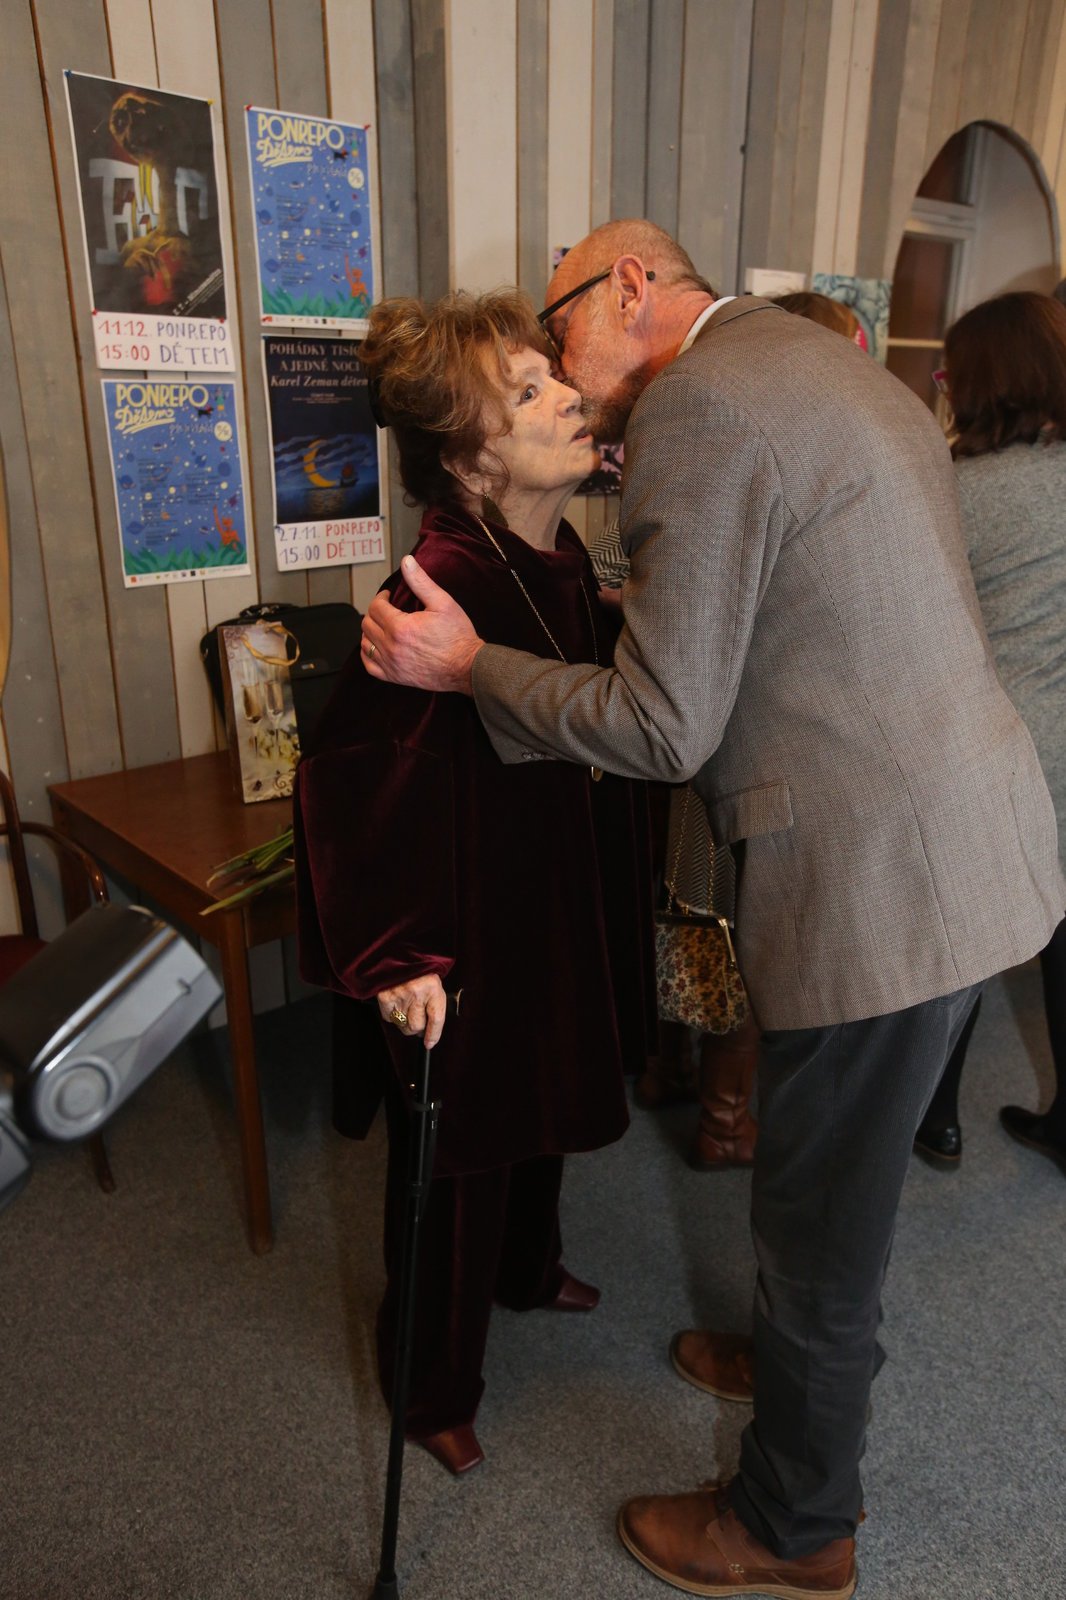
801,638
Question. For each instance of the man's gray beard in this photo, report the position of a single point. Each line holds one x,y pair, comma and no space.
607,417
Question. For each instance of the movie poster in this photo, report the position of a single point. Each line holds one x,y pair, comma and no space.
311,198
327,469
177,472
148,190
869,298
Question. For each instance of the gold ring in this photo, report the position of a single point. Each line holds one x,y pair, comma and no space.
371,649
399,1017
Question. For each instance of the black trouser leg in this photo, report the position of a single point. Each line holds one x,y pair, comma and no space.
478,1230
530,1272
1053,972
943,1109
838,1110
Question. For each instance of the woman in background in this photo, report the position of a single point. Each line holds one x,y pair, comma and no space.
825,311
1006,380
423,862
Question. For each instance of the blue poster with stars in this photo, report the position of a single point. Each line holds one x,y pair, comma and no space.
311,198
178,487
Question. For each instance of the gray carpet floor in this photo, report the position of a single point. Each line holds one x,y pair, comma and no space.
182,1421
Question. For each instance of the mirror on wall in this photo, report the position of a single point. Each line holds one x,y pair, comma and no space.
983,222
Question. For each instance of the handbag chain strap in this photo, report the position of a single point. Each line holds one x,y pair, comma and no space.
675,898
529,598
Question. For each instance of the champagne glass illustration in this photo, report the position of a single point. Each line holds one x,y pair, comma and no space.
251,699
274,704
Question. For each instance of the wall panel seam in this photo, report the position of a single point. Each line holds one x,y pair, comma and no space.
325,56
155,43
1021,59
37,518
795,163
236,315
81,376
274,53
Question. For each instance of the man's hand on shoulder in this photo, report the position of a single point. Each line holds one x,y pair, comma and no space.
432,649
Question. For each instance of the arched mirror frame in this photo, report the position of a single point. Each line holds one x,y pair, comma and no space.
935,246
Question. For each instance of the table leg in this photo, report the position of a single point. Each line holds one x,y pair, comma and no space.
234,955
77,897
100,1162
75,885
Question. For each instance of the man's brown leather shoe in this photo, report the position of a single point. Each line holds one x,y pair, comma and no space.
720,1363
699,1544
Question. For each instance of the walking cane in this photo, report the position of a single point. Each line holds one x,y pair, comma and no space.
424,1119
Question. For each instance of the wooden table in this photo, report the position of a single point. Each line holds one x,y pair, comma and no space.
165,829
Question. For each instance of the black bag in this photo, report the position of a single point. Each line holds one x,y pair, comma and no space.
321,640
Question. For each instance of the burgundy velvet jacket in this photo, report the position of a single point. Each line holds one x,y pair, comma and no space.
527,887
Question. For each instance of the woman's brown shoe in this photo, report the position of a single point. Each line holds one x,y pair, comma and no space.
573,1295
455,1448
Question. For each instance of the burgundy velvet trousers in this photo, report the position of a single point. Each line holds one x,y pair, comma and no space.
485,1237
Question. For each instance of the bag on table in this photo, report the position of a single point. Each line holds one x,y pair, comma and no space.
320,640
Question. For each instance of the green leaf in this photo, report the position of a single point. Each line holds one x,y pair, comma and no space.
250,890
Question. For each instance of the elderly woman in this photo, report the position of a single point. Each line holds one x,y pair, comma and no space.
1006,380
425,864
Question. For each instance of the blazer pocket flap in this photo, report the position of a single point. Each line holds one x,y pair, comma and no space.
751,812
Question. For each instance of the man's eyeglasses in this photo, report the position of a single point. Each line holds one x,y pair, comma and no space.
557,305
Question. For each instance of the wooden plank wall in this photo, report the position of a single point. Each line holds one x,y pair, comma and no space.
779,133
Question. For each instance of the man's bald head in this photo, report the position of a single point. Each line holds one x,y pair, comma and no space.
631,236
630,296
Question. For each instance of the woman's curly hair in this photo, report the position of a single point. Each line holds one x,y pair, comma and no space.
439,377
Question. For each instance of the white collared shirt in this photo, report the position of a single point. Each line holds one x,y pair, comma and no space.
704,316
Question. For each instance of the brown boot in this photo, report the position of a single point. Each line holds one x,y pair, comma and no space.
699,1544
725,1136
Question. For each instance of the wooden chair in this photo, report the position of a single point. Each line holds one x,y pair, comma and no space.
83,878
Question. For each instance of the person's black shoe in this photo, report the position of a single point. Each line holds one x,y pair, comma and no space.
1030,1128
941,1147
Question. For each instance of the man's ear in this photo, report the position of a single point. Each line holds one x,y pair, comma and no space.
630,282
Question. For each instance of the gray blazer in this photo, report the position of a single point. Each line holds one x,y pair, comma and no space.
802,634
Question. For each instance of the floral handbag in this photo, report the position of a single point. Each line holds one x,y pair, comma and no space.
698,981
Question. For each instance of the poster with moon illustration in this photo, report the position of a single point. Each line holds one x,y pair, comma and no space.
313,233
178,485
327,465
148,191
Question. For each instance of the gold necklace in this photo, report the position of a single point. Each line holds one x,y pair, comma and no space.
596,772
